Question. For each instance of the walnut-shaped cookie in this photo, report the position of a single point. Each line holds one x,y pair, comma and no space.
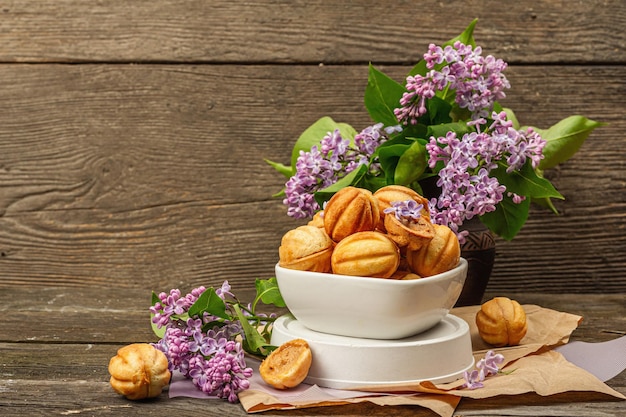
288,365
306,248
350,210
390,193
407,226
366,254
139,371
441,254
317,220
501,322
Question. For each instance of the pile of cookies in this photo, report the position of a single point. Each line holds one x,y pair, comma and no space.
358,234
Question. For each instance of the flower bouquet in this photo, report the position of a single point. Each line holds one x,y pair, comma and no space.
443,129
206,333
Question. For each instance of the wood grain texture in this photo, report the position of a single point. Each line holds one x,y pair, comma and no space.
132,146
298,31
151,176
56,364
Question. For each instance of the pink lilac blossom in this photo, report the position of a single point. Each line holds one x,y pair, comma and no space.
327,163
467,189
211,358
476,80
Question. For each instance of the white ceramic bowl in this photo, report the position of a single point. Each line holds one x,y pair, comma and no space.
374,308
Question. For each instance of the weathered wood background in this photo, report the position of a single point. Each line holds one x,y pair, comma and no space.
133,134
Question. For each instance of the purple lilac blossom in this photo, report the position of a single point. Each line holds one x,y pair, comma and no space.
224,374
173,303
406,211
211,358
489,365
476,80
473,379
327,163
467,189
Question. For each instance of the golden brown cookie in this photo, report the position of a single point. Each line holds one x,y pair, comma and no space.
317,220
366,254
391,193
306,248
288,365
441,254
139,371
350,210
413,235
501,322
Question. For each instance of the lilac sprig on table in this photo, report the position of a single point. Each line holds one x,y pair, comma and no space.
489,365
200,334
443,133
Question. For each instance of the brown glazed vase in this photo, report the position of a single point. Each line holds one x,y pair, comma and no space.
480,251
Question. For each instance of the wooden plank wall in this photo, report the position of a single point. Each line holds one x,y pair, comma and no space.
132,133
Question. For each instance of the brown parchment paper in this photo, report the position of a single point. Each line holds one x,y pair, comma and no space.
530,367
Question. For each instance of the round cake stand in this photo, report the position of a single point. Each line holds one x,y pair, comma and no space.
441,354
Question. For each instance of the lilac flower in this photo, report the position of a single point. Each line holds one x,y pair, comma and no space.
324,165
489,364
224,291
477,81
171,304
485,367
210,357
474,379
224,374
406,211
467,187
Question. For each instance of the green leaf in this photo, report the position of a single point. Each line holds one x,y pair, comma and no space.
268,292
508,218
564,139
389,156
411,164
253,342
209,302
526,182
438,110
466,37
545,202
159,332
281,168
440,130
315,133
382,96
419,68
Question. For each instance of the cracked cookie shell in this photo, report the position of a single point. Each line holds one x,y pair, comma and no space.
391,193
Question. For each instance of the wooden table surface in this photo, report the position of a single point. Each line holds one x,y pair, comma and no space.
132,144
55,345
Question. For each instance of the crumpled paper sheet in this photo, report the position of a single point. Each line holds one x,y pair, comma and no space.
530,367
